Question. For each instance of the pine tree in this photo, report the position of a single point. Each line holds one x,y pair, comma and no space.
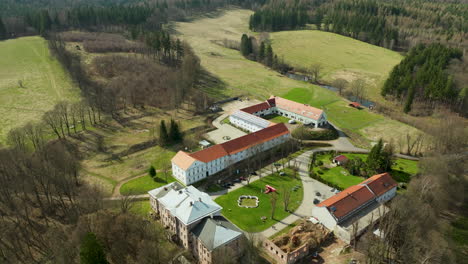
174,132
3,32
269,56
163,135
91,251
373,159
261,52
244,45
152,171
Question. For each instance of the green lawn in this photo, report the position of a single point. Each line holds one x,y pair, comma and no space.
402,170
144,184
44,80
277,118
340,56
249,219
141,208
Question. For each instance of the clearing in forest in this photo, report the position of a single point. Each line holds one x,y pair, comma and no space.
340,56
31,82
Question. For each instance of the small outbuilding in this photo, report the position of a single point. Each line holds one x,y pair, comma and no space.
340,160
355,105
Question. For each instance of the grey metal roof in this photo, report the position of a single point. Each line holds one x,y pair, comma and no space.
253,119
163,190
215,232
189,204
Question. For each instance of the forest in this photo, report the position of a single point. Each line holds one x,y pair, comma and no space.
422,76
395,25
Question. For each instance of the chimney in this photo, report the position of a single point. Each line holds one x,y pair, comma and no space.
165,188
180,192
191,203
199,199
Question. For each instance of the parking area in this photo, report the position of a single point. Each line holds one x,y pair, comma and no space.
226,132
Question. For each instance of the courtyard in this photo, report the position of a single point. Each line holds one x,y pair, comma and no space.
259,218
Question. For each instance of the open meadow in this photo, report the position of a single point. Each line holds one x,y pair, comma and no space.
239,76
31,82
340,56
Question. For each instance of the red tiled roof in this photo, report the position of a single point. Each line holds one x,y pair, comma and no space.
341,158
353,197
255,108
380,183
185,160
346,201
355,104
247,141
298,108
209,154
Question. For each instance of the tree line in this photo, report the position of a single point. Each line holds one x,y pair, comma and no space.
261,51
395,25
423,76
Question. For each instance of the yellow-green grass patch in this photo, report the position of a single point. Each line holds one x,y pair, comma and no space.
341,57
44,82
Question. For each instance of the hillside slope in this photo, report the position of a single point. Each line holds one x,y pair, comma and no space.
44,82
341,57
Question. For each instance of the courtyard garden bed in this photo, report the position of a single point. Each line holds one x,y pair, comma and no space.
250,219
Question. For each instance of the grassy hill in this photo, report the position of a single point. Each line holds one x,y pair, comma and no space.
341,57
239,76
44,82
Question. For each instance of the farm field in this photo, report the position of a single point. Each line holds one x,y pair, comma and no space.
239,76
249,219
340,56
44,82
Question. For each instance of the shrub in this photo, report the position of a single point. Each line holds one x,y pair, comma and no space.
319,163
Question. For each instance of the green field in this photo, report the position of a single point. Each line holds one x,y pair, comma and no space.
276,118
144,184
239,76
249,219
45,82
340,56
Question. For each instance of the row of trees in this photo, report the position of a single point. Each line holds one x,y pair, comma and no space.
262,53
422,75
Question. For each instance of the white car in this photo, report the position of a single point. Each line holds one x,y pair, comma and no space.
292,121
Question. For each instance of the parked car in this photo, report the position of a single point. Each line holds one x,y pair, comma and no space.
291,121
316,201
237,180
242,178
282,173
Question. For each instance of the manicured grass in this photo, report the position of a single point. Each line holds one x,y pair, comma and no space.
144,184
337,175
248,202
341,57
249,219
44,80
277,118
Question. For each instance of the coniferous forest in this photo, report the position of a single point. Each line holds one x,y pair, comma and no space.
422,75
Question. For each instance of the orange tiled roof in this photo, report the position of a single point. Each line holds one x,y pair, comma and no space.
353,197
380,183
209,154
346,201
298,108
183,160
